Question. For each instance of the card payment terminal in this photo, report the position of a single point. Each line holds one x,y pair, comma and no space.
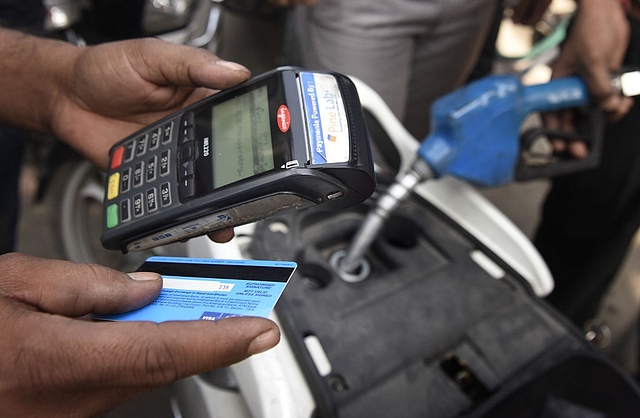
284,140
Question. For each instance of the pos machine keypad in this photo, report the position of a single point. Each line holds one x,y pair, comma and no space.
141,172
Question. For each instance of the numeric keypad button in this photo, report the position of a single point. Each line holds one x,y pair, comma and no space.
151,168
165,159
125,180
141,145
154,139
129,151
167,131
165,194
125,210
138,205
152,200
138,174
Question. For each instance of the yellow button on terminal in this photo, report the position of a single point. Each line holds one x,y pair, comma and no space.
112,188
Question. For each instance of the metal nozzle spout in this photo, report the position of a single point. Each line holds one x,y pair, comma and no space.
375,219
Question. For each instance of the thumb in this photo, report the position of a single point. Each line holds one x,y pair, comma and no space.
163,63
74,289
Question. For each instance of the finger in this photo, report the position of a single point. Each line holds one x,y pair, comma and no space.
551,120
106,364
225,235
597,76
567,119
165,63
608,99
75,289
561,121
146,354
559,145
616,107
162,353
578,149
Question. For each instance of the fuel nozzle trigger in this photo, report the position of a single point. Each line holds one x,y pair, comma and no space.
537,158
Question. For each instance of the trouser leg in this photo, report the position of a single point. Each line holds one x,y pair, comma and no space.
590,218
415,53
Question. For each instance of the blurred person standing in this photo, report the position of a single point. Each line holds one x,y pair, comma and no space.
589,219
410,51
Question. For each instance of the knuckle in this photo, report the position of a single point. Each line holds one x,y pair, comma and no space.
155,362
162,364
13,282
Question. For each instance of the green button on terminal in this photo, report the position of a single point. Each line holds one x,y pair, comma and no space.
112,216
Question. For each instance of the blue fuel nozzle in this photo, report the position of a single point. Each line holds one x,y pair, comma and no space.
475,130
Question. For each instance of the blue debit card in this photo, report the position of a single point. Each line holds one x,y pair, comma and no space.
210,289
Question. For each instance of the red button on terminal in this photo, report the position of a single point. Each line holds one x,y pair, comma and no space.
116,159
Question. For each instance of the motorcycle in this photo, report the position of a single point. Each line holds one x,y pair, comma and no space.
443,319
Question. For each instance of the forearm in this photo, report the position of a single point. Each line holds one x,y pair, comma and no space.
32,71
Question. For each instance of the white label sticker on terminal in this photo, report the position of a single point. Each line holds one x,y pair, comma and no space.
326,118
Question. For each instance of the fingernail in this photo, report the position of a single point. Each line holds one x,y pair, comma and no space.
144,276
264,341
234,66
